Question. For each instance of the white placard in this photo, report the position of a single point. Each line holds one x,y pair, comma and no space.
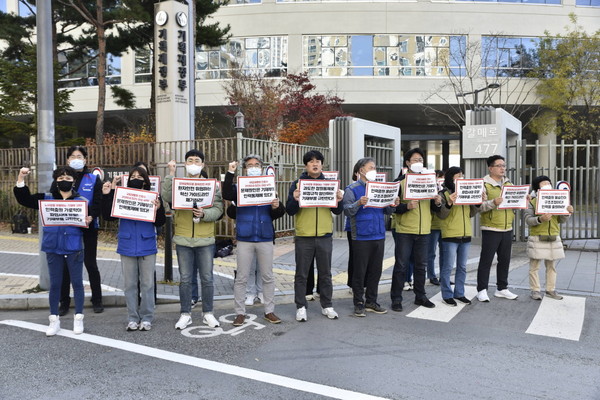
514,197
187,190
420,186
468,191
381,194
380,177
255,190
331,175
135,204
552,202
63,212
154,182
318,192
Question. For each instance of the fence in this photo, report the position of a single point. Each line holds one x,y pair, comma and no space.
285,157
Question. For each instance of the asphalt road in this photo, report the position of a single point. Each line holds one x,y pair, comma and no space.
483,352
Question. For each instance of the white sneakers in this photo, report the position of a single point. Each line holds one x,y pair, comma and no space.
301,314
132,326
145,326
78,324
185,320
261,298
210,320
483,296
249,300
505,294
329,312
54,326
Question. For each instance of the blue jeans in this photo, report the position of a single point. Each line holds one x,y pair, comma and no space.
435,240
202,258
139,269
56,263
454,251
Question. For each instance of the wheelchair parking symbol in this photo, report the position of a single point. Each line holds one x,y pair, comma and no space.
204,331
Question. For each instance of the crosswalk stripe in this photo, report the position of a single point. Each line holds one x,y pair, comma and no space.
559,318
442,312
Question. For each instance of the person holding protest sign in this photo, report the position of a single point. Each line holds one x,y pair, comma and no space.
544,241
194,240
496,232
456,239
367,227
89,186
314,228
62,242
435,241
255,236
413,226
137,247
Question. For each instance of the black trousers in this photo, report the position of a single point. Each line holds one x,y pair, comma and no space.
499,243
90,254
368,260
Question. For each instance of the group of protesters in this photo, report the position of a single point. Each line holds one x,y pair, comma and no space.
68,247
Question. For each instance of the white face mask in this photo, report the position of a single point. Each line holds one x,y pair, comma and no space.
416,167
193,169
254,171
546,187
371,175
76,164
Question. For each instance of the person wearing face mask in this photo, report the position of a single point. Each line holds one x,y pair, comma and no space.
544,242
89,186
456,239
137,247
413,226
194,242
255,236
367,227
62,244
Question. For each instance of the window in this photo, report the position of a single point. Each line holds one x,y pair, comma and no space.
508,56
84,72
588,3
519,1
25,9
143,66
3,6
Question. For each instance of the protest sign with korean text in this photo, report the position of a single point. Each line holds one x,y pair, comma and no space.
154,182
514,197
255,190
318,192
552,202
186,191
420,186
135,204
331,175
380,177
63,212
468,191
381,194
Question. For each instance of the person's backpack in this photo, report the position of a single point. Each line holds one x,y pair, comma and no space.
20,223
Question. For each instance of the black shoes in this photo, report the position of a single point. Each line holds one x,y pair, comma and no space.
425,303
463,300
450,302
98,307
376,308
435,281
63,309
397,306
359,310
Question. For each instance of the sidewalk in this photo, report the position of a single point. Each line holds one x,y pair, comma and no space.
578,273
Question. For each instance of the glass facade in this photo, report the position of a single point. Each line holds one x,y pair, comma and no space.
508,56
143,66
264,55
588,3
381,55
78,73
517,1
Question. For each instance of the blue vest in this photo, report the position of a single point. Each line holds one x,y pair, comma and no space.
136,238
62,239
86,189
368,223
254,224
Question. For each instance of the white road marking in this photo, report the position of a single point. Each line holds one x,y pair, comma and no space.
442,312
559,318
103,286
248,373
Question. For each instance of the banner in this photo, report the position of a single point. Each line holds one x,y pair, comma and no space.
187,190
318,192
135,204
552,202
381,194
420,186
468,191
154,182
63,212
514,197
255,190
331,175
380,177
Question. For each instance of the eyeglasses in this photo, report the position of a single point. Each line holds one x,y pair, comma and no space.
416,160
499,166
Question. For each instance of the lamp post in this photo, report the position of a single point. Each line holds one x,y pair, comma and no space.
476,92
239,123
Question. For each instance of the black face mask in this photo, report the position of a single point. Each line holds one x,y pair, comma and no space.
64,186
136,183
